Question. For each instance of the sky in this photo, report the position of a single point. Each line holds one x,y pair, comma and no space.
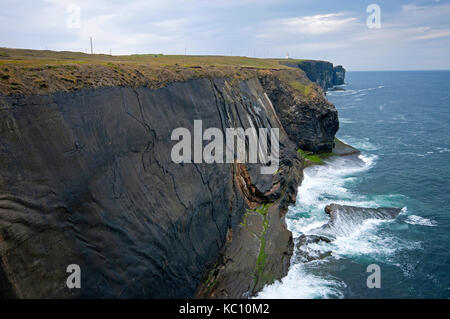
409,35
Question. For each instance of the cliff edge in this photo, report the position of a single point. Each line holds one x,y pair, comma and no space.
323,73
86,175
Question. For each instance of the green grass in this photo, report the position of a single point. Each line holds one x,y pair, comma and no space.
339,149
149,70
314,158
303,88
262,257
39,57
211,280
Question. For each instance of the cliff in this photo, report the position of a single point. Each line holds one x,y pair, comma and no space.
86,175
321,72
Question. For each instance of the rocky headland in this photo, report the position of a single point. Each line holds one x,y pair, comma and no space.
323,73
86,175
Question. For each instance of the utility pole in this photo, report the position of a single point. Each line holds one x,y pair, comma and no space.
92,49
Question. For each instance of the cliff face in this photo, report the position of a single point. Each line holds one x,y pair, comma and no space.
321,72
338,75
86,178
312,123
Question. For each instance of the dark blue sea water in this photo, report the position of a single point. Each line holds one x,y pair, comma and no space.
401,123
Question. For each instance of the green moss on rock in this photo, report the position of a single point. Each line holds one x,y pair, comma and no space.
309,156
261,260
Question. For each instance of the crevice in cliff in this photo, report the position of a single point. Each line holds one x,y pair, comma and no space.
211,203
151,143
216,92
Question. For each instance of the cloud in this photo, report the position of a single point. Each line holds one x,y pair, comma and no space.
321,46
171,24
317,24
411,24
264,28
432,34
435,14
308,25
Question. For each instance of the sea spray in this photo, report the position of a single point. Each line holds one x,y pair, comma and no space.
321,186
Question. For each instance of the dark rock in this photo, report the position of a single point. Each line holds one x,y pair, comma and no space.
342,149
344,219
335,210
338,75
321,72
328,209
86,178
305,253
312,239
311,123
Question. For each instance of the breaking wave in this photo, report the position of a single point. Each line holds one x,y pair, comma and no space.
417,220
321,186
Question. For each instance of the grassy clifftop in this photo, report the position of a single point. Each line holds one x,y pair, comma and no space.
39,72
34,57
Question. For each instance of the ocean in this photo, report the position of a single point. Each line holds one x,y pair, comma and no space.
401,123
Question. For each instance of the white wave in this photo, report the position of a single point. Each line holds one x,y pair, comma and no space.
411,153
301,284
361,239
368,240
348,107
417,220
400,118
304,225
325,184
362,144
360,92
342,93
345,121
442,149
322,185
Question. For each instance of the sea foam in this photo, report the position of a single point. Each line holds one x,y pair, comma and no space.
322,185
417,220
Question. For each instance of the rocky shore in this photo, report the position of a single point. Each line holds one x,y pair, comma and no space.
343,219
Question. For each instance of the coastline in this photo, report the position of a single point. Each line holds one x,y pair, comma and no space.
91,138
385,119
322,184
